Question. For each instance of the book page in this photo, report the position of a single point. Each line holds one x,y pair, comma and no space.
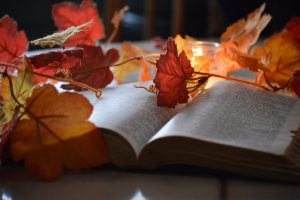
130,112
238,115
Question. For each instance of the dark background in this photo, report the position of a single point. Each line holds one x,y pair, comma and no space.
200,18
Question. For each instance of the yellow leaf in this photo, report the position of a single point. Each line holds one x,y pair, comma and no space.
282,53
57,134
22,87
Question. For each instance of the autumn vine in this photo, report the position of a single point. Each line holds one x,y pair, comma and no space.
41,127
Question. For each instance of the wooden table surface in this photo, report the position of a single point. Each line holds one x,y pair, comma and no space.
110,183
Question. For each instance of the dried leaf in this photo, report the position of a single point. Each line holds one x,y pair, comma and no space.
60,38
22,88
94,69
173,70
57,134
69,14
13,43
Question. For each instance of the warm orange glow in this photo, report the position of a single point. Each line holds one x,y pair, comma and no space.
197,51
212,81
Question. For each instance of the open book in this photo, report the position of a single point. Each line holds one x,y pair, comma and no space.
230,126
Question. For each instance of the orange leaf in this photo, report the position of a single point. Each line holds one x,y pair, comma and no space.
237,40
244,33
244,60
57,134
283,55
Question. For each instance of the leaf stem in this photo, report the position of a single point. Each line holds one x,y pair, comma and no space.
234,79
93,69
5,74
97,92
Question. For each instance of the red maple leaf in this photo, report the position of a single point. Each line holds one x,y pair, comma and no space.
51,61
171,76
295,83
69,14
94,70
13,43
293,26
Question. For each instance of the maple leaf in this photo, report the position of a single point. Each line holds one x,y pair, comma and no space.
52,61
57,134
128,51
21,87
244,60
293,26
244,33
68,14
295,83
60,38
13,43
283,55
94,69
238,38
173,70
